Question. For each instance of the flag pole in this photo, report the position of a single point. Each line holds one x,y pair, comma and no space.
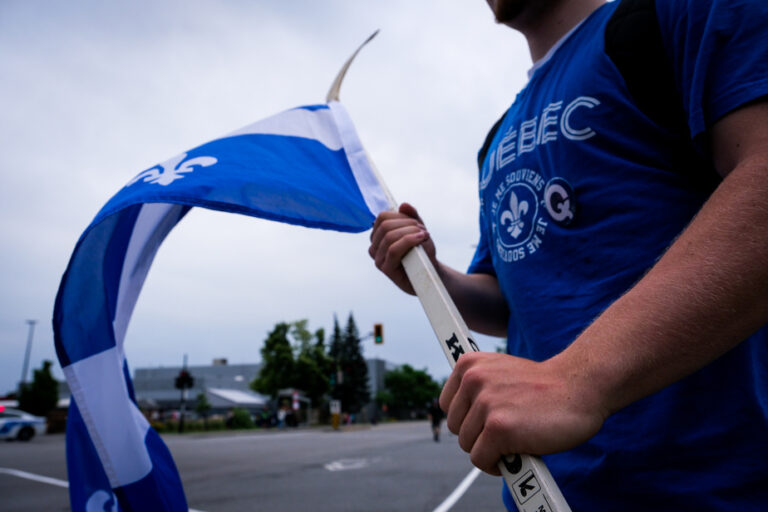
529,481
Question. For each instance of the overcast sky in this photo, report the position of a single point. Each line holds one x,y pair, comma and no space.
91,93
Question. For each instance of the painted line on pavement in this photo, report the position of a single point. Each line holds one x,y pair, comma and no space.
252,437
46,479
36,478
457,493
347,464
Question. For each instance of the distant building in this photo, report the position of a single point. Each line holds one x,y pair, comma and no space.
223,400
64,395
228,385
377,369
155,387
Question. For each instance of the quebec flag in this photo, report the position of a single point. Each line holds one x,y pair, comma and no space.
304,166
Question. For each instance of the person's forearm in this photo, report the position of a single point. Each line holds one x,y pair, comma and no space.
479,300
706,294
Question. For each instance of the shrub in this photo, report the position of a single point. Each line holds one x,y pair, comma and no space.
240,419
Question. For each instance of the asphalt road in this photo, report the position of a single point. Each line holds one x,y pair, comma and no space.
388,467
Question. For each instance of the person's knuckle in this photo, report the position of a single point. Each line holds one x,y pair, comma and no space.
444,400
390,237
392,255
477,459
462,365
466,442
453,425
472,378
475,357
483,403
496,425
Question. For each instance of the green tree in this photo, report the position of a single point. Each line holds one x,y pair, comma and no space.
294,357
408,390
278,365
324,361
352,372
334,351
40,397
312,366
335,347
301,335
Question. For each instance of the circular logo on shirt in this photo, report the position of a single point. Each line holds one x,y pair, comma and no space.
516,223
516,215
517,204
559,201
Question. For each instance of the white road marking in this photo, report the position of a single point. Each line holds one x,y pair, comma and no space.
457,493
347,464
36,478
252,437
46,479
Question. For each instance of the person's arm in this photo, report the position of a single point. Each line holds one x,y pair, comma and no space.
707,293
477,296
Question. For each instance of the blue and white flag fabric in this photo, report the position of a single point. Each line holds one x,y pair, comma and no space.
304,166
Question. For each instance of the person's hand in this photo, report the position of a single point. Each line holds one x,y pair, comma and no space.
500,404
393,235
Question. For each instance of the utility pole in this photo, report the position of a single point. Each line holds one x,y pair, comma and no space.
183,382
24,369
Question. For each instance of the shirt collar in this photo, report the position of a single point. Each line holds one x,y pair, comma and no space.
551,52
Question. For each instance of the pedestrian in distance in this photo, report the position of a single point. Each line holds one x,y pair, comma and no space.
623,253
436,416
282,414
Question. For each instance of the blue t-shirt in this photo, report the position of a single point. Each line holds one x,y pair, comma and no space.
579,196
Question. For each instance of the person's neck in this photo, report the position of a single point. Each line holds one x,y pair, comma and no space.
545,28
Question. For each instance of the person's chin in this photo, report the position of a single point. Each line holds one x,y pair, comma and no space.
506,11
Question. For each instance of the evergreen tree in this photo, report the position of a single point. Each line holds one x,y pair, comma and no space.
321,358
40,397
278,365
335,348
352,386
334,352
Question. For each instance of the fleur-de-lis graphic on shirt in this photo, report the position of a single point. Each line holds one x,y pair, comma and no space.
514,215
172,170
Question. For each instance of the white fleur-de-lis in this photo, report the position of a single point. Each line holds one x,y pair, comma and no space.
172,170
99,501
514,215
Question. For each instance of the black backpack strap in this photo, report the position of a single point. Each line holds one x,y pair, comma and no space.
634,43
488,139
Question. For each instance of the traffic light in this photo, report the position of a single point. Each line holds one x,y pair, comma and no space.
184,380
378,334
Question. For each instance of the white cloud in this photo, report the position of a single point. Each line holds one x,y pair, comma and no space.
93,93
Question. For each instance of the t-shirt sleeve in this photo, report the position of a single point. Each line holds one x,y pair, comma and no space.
719,53
481,262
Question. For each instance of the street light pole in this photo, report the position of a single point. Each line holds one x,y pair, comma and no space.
31,324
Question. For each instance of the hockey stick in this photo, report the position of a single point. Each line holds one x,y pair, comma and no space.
527,477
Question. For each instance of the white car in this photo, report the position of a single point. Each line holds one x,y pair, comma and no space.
16,424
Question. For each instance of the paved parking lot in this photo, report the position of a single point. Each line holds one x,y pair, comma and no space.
382,468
